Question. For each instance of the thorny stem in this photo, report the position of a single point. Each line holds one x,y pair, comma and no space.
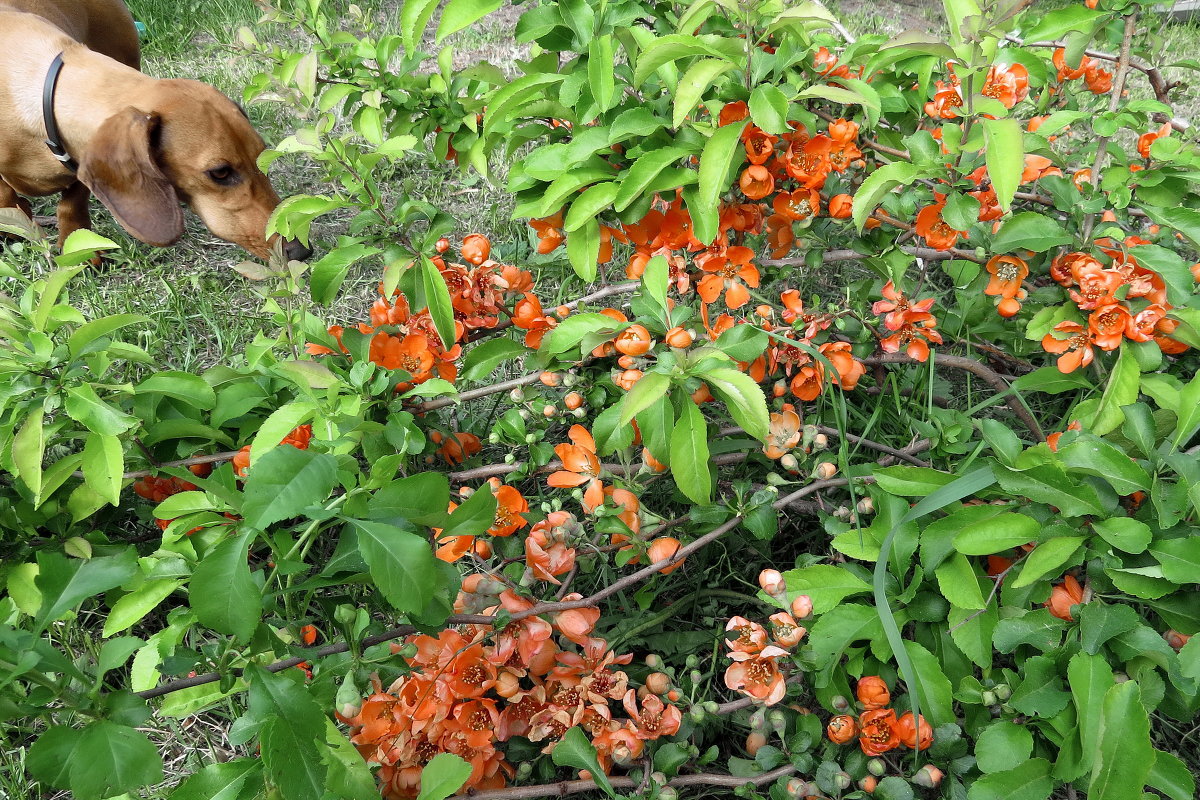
1113,102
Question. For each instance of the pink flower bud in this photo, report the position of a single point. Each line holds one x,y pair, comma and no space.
928,776
772,582
802,607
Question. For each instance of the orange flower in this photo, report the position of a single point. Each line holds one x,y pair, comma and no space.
1008,84
476,248
757,676
1052,439
780,235
1065,72
849,369
1007,273
751,637
1097,287
451,548
654,719
912,337
784,433
786,631
878,731
1141,327
907,730
661,549
1075,350
729,273
457,447
760,145
873,692
809,161
546,553
898,309
756,182
1107,325
842,729
576,623
933,228
1147,139
580,465
841,206
634,341
733,112
1099,80
797,205
945,101
1063,596
549,232
510,505
808,382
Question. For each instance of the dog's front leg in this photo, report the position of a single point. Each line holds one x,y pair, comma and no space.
10,199
73,212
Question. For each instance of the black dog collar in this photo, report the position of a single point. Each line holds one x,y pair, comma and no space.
53,140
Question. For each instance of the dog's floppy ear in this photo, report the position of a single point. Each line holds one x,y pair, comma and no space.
120,169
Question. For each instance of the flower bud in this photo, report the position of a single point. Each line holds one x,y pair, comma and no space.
789,462
754,742
868,784
758,720
928,776
697,714
772,582
695,676
622,755
517,395
524,414
658,682
843,780
711,706
509,458
550,379
344,614
796,788
877,766
579,413
524,770
989,698
691,662
865,506
653,661
1003,692
802,606
494,438
820,442
658,778
777,721
824,471
842,513
668,793
840,703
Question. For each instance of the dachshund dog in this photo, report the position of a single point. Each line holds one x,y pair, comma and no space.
70,79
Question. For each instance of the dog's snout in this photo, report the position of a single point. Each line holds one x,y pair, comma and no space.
295,250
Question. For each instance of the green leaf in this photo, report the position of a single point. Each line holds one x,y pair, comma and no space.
1053,24
1122,756
583,250
601,77
29,450
1125,534
667,49
222,591
1090,677
1048,557
643,172
700,76
1172,777
769,108
878,184
1180,558
65,583
588,205
838,628
482,360
85,407
689,455
911,481
743,342
183,386
723,153
232,780
133,607
474,517
743,397
997,534
1091,455
1122,390
574,750
1030,781
1050,484
278,425
89,332
437,300
443,776
959,582
1005,157
103,465
649,389
1099,622
414,16
53,754
1029,230
1038,629
656,280
1185,220
330,270
284,482
48,299
293,723
460,14
1003,745
111,759
401,563
932,685
1041,692
825,584
569,333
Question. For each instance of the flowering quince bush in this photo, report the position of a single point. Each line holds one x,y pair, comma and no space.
855,456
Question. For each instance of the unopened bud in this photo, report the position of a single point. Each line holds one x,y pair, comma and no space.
1003,692
843,780
579,413
758,720
524,414
840,703
802,607
824,471
509,458
517,395
796,788
772,582
697,714
755,741
695,676
668,793
531,438
653,661
865,506
777,720
711,706
789,462
876,766
928,776
842,513
344,614
658,778
658,682
524,770
549,411
868,784
622,755
989,698
691,662
820,442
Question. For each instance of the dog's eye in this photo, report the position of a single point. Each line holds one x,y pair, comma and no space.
223,175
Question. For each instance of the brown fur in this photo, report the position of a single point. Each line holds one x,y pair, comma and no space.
143,145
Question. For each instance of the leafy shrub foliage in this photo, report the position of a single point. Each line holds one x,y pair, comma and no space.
901,329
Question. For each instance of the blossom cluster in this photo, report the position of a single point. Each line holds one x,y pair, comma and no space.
877,729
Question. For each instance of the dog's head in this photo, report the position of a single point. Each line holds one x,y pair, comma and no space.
185,141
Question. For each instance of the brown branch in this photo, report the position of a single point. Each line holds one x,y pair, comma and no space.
564,788
990,376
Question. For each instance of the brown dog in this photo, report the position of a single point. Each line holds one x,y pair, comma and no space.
142,145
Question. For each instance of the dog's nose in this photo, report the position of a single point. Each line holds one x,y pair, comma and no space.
295,251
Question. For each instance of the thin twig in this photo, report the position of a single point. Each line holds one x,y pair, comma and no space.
564,788
1114,102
